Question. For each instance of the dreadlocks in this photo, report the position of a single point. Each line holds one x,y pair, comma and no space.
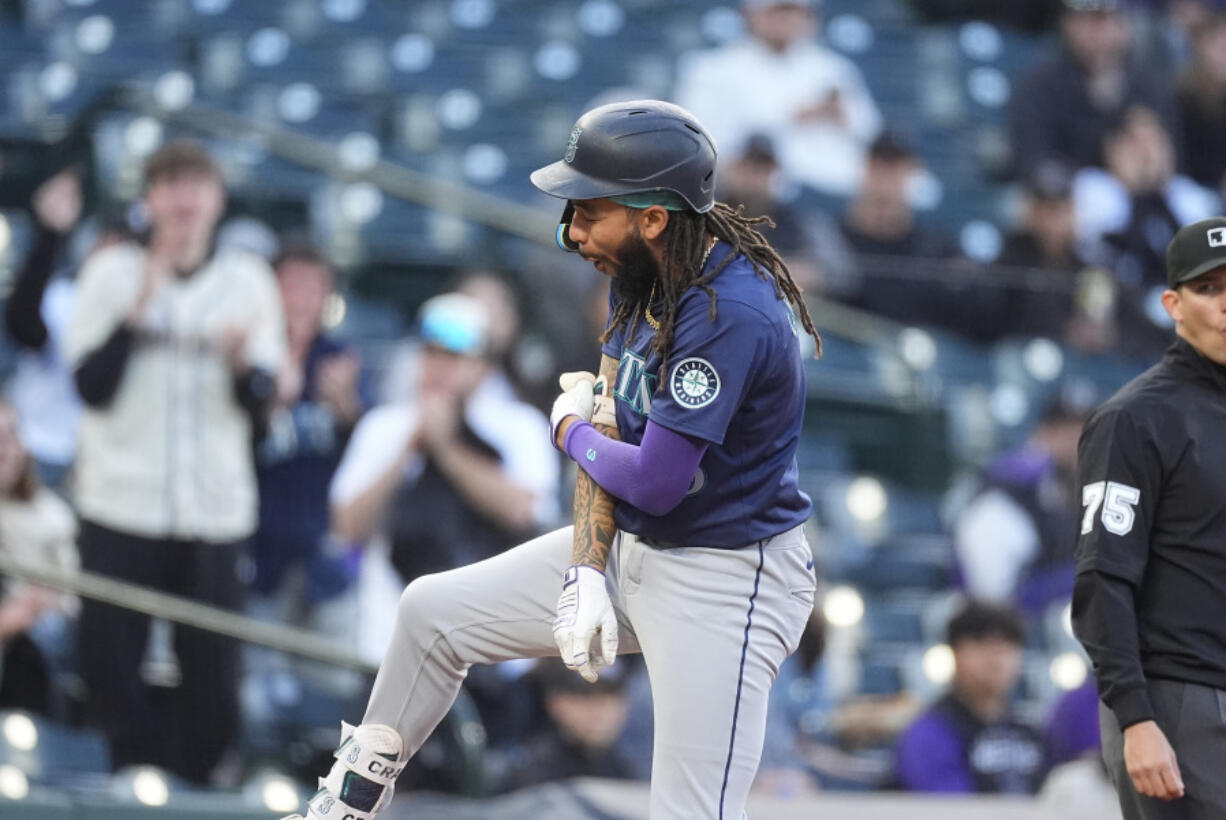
685,246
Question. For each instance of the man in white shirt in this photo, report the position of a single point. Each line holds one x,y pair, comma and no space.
175,347
779,81
460,472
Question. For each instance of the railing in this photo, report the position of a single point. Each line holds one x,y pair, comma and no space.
462,723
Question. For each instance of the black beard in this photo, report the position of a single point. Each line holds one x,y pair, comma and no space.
637,272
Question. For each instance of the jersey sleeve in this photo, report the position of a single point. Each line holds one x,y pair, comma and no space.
1119,470
709,367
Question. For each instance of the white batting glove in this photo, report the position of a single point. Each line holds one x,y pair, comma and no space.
568,380
576,399
604,408
584,608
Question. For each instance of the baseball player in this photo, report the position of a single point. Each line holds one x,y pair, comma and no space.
1148,603
688,543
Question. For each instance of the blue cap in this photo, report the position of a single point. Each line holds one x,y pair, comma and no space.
454,322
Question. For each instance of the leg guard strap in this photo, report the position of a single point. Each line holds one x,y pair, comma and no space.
360,784
373,752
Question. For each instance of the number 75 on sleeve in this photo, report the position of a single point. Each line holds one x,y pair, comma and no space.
1117,501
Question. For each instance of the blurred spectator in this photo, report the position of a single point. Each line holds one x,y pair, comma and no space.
881,219
250,235
1131,210
781,82
38,527
905,271
1047,237
809,241
585,722
1062,110
968,741
515,368
502,313
460,473
1201,95
1072,728
751,179
36,316
320,404
1135,205
175,348
1170,29
1014,540
1074,302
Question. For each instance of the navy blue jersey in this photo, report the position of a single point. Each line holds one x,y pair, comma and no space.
737,382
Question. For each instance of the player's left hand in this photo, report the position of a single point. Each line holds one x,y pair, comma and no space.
584,608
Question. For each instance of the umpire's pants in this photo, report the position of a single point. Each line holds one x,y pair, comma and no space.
1193,718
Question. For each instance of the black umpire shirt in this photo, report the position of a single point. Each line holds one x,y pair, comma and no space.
1150,595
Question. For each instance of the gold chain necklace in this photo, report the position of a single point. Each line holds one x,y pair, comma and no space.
653,321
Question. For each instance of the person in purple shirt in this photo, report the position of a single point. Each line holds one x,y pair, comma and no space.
968,742
1072,728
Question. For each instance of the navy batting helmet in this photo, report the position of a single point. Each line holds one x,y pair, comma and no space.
655,150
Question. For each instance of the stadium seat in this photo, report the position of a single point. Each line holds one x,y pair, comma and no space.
49,753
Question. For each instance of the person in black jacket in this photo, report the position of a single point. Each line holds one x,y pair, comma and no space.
580,739
35,316
1151,556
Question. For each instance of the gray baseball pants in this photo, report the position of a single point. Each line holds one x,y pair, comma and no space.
713,626
1193,718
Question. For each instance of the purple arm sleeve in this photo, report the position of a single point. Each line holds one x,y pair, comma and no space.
653,476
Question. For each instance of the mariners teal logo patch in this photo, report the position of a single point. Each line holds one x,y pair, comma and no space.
635,386
694,383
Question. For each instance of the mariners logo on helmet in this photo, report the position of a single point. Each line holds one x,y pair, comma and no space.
694,383
573,145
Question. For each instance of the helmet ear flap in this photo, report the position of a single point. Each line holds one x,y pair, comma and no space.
563,235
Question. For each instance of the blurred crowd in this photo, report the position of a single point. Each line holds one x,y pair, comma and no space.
182,415
1115,142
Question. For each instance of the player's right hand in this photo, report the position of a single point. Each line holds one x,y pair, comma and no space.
584,608
576,399
1151,762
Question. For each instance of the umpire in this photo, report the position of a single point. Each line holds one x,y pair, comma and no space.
1149,603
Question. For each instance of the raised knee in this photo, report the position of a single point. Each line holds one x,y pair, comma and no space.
424,602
